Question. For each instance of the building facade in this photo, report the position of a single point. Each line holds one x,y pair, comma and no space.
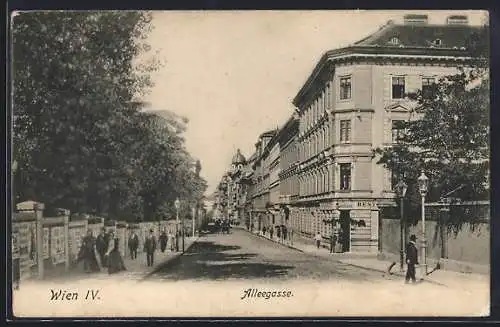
350,105
289,184
261,180
318,173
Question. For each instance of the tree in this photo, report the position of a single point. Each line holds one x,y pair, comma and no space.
449,139
80,140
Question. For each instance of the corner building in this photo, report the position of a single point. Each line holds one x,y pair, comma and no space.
350,105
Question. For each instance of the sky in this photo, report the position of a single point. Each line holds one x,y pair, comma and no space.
234,74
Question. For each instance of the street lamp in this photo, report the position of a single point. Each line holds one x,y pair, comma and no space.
423,184
192,219
401,189
177,205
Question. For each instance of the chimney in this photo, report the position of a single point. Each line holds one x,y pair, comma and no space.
413,19
457,20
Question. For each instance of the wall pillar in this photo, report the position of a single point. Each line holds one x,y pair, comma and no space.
65,214
374,228
38,208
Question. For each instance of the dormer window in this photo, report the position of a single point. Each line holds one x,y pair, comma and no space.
394,41
437,42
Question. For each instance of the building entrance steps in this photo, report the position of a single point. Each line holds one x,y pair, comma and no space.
370,261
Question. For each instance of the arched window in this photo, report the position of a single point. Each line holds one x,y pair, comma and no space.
437,42
394,41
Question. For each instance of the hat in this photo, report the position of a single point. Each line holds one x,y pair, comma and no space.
413,237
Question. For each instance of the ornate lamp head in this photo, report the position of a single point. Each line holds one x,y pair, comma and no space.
423,183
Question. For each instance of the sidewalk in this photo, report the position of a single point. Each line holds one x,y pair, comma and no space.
371,262
137,269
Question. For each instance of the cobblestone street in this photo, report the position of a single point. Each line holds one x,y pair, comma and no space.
241,255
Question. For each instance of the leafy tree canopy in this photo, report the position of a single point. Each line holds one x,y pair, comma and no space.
80,141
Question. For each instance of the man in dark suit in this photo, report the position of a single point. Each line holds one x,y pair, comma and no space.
411,259
102,246
150,247
133,245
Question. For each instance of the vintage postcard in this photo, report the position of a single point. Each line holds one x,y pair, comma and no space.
250,164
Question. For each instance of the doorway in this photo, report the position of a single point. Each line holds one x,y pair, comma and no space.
345,230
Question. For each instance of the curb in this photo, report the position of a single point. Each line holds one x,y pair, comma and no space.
169,261
393,274
346,263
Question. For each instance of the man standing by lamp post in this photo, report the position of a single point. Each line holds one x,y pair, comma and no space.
177,205
401,188
423,184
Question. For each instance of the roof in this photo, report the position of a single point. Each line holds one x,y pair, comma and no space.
420,36
269,133
238,158
290,128
412,40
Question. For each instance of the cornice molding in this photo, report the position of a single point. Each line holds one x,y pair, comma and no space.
376,53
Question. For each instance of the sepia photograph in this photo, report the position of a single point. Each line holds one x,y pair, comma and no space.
306,163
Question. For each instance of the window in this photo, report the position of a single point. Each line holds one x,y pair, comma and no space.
397,130
437,42
394,41
427,83
345,88
345,131
345,176
398,87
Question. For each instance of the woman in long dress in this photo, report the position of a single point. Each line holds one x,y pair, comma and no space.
87,254
115,259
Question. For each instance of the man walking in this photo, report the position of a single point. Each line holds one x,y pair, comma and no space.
171,241
133,245
150,247
411,259
333,241
318,239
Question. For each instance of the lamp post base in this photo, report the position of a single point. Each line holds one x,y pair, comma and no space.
421,271
401,261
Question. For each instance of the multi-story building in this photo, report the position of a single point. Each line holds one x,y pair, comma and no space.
249,190
232,194
261,180
272,162
350,105
221,198
289,184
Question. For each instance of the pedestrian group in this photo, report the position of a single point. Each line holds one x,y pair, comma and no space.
103,250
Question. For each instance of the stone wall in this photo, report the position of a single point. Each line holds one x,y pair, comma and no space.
466,247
